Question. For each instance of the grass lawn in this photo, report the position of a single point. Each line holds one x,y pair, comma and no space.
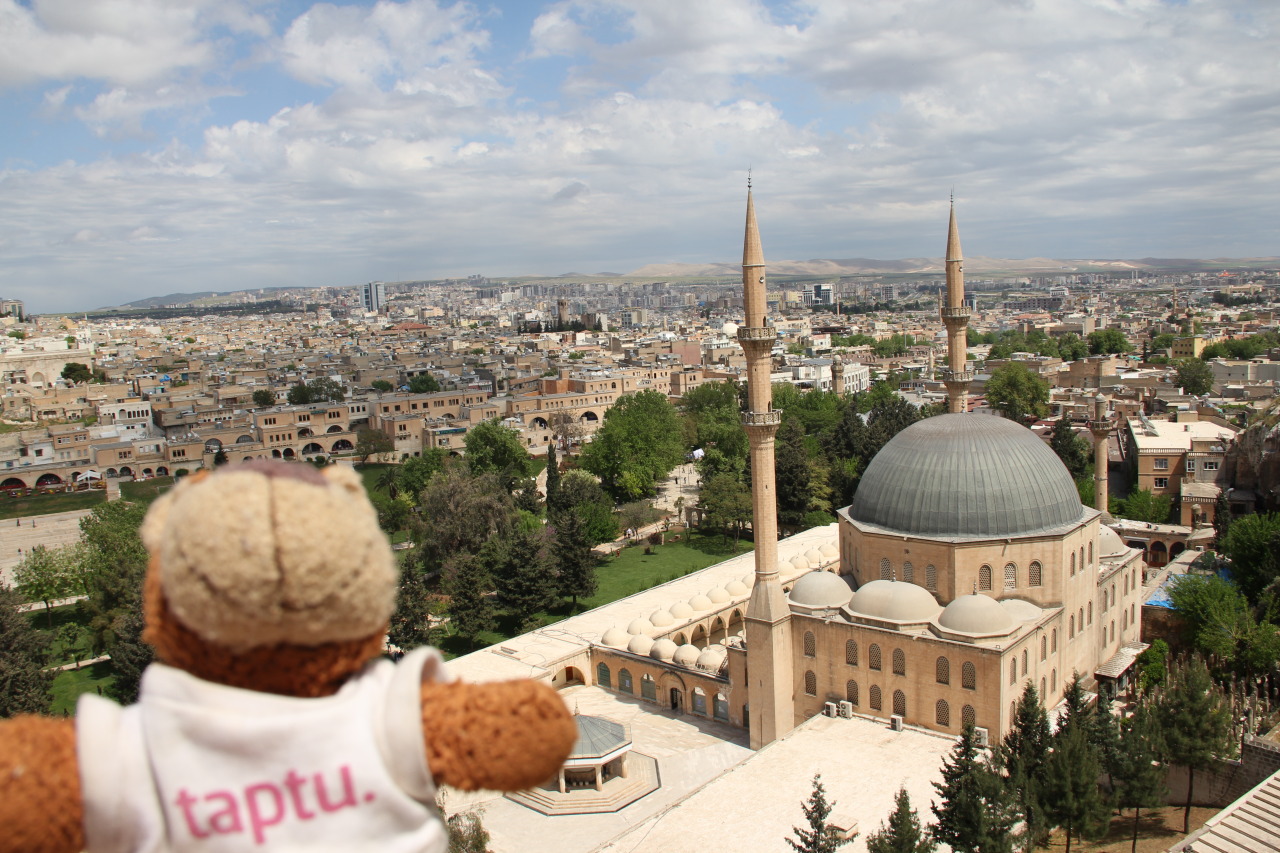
370,473
28,505
70,684
66,643
630,572
145,491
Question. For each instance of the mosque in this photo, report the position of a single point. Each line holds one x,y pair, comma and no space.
965,568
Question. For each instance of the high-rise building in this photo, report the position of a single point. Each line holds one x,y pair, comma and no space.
373,296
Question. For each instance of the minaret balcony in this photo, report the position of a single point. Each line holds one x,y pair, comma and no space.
957,376
748,334
1100,428
957,314
761,419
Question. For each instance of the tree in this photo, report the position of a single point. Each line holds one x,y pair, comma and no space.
264,397
220,458
372,442
415,472
1072,798
1138,776
381,385
553,474
326,390
974,812
575,562
469,583
459,514
1194,377
299,395
1253,544
523,572
1221,516
24,683
1151,666
423,383
904,834
467,834
75,372
389,481
1017,393
793,476
581,493
1218,622
1022,755
1143,505
820,837
497,448
1108,341
393,513
638,445
411,624
1071,348
1195,722
726,504
45,575
1071,448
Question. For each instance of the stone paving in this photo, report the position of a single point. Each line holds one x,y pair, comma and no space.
59,528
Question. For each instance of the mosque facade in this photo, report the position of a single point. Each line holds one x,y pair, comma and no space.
965,569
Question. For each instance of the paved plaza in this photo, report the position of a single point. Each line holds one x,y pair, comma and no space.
60,528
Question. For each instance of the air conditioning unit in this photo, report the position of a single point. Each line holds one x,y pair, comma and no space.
846,709
981,736
895,722
829,709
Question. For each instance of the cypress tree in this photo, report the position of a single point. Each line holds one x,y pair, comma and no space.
1195,722
553,478
411,622
1022,755
575,562
470,606
1138,775
521,570
904,834
1069,783
974,814
820,837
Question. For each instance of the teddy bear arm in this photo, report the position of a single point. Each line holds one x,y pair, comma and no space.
502,736
40,803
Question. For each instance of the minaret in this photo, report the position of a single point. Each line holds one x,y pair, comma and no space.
768,620
837,374
1100,427
955,316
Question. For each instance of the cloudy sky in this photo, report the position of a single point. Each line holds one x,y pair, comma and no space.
156,146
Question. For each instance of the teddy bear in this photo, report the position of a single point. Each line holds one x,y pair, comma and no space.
270,719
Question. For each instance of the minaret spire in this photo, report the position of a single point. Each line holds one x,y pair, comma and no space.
768,619
955,316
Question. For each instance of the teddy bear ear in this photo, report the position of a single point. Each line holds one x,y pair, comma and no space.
344,477
158,514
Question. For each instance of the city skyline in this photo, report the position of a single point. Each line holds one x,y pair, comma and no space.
226,145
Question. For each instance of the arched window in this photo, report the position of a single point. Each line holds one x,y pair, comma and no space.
1091,553
1013,671
810,645
648,687
1053,679
1010,576
1053,646
984,577
968,717
699,701
875,697
873,657
851,692
968,676
1090,611
899,703
1044,647
602,675
931,577
810,683
1113,630
943,671
1080,619
851,652
908,572
1042,694
899,662
1124,619
720,707
1025,670
1071,628
942,714
1013,712
1035,574
1073,563
1082,558
624,681
885,569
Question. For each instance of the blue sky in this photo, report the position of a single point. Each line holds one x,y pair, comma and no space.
157,146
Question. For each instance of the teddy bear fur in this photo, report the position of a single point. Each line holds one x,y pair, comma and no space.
499,736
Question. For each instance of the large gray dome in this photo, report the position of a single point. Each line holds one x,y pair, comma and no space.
966,476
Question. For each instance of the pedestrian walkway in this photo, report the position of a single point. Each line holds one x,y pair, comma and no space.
19,536
683,483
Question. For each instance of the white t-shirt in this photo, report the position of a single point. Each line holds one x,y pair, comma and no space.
198,766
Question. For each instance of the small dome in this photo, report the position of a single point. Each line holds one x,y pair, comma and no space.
661,618
730,329
976,614
800,561
829,551
1109,543
700,602
821,589
640,644
640,626
664,649
1021,611
680,610
718,595
616,637
814,556
894,601
687,655
712,658
736,588
749,580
